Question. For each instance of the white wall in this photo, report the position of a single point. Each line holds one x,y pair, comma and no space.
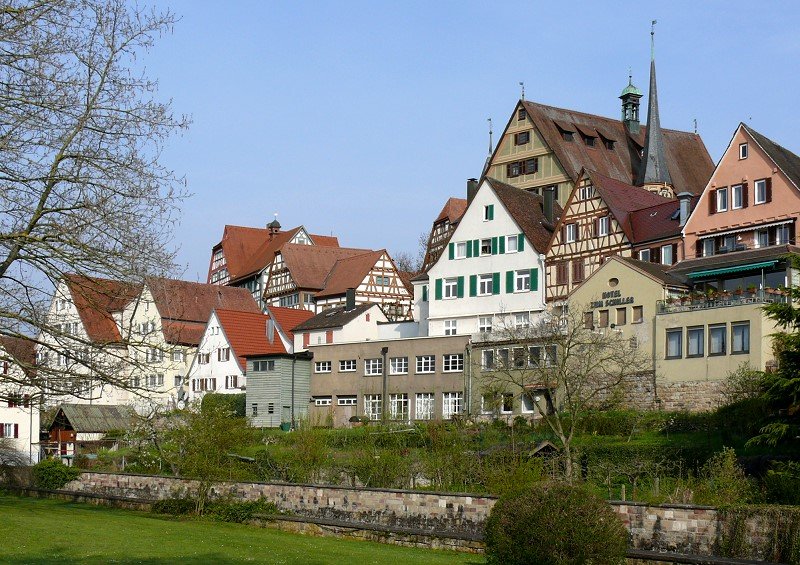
213,339
362,328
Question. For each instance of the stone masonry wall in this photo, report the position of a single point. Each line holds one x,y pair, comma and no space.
693,396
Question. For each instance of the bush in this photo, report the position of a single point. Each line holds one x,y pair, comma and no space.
175,506
554,524
234,403
240,512
782,483
52,474
723,481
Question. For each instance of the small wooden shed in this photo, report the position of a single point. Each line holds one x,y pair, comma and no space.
79,428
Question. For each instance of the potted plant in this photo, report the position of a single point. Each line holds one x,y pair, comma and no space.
739,290
725,295
711,294
686,299
751,289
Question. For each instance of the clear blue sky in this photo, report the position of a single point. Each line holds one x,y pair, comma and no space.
361,118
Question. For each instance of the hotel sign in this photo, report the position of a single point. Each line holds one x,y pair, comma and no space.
612,298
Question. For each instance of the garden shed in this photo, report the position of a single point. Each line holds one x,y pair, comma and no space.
83,428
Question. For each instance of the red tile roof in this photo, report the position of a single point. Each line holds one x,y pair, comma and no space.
528,212
289,318
453,209
262,256
658,222
349,273
22,351
311,264
96,299
689,163
182,332
247,335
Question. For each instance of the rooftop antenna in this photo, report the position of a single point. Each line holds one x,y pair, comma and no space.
522,85
491,145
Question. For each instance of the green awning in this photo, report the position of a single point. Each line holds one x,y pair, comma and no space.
736,269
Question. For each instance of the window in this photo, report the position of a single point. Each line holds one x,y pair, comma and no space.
603,226
450,327
372,406
373,366
223,353
485,285
232,381
347,365
398,407
644,255
577,270
502,358
782,234
522,281
762,238
254,410
289,301
153,355
453,362
426,363
530,166
322,367
485,324
571,233
638,314
568,135
382,281
154,381
609,144
487,359
666,255
740,337
508,403
695,341
586,192
487,403
622,316
486,246
562,273
722,199
674,343
451,288
322,401
743,151
736,196
451,404
522,320
522,137
603,319
461,250
270,408
520,359
488,212
761,191
708,247
528,403
423,410
716,340
346,400
588,320
178,356
511,243
513,170
398,365
521,114
263,365
178,381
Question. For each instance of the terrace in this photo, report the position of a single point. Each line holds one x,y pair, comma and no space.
711,299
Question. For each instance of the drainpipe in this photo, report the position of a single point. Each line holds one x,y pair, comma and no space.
468,365
385,393
294,358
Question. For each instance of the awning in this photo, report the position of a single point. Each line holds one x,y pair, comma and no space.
735,269
748,228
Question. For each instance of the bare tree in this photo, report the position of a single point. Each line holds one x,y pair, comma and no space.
560,368
409,261
82,188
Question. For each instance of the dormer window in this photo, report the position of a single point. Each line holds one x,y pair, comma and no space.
586,192
568,135
522,137
589,140
609,143
743,151
521,114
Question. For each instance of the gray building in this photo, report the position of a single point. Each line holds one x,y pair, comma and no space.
277,389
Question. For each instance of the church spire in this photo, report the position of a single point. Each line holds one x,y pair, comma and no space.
654,174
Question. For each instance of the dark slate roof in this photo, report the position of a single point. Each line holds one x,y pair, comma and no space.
787,161
655,270
658,222
96,417
687,158
527,210
732,259
655,169
333,318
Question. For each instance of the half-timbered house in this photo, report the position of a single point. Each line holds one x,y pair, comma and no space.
443,226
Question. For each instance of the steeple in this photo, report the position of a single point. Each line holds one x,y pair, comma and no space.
654,174
630,106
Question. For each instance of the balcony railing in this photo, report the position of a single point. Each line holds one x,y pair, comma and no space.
721,300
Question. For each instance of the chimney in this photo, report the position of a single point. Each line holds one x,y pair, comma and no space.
350,300
472,189
548,203
684,198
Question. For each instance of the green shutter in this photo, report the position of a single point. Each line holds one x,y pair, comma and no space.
494,246
469,249
491,211
534,279
502,243
451,250
424,293
438,291
495,283
521,242
509,282
473,285
460,287
476,248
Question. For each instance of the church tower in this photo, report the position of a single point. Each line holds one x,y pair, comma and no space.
630,106
653,174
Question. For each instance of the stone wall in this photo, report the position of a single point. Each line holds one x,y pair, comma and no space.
678,528
693,396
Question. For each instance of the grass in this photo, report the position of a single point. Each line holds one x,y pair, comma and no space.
51,531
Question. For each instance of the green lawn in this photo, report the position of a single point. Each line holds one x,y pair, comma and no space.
51,531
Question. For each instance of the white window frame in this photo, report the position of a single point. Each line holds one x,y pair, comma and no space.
644,255
347,400
782,230
586,192
665,249
744,151
450,327
722,195
522,320
522,280
708,247
485,324
757,237
453,363
399,408
424,403
452,404
488,242
760,196
426,364
231,381
323,401
486,209
460,251
372,406
373,367
398,365
603,226
270,365
487,360
571,233
512,242
450,290
348,366
485,286
736,190
322,366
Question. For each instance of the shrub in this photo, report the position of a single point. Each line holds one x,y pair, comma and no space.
723,481
174,506
782,483
554,524
241,512
52,474
234,403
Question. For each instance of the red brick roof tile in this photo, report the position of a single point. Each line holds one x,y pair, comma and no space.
453,209
96,299
349,273
310,265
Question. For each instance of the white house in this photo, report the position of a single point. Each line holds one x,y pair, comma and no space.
230,336
491,272
19,405
339,325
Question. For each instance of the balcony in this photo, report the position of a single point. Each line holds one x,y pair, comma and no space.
721,300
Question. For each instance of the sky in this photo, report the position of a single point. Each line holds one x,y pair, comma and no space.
360,118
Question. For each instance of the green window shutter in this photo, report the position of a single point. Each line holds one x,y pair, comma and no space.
521,242
534,279
460,287
502,242
491,211
424,293
469,249
451,250
473,285
495,283
494,246
476,248
509,282
438,294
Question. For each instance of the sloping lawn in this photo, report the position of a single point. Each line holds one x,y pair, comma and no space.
51,531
